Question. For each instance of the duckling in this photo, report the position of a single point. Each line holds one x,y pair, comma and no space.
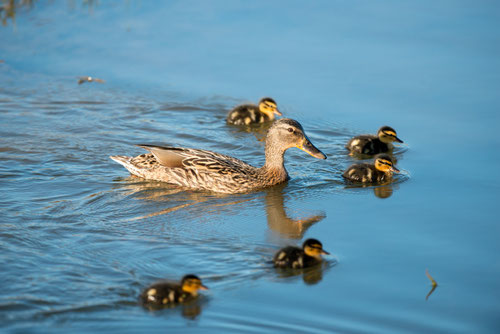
247,114
295,257
165,293
381,170
374,144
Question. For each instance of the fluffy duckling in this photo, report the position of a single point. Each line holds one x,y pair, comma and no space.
381,170
166,293
295,257
247,114
374,144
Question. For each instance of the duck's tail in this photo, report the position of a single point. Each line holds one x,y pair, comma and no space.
127,163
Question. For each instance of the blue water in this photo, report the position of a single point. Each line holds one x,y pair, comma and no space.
80,237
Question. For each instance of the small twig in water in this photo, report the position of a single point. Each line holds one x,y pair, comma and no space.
434,284
89,79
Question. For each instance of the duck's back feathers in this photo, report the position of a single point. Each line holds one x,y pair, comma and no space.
367,144
193,168
246,114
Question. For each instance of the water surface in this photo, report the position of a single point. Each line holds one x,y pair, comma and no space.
80,237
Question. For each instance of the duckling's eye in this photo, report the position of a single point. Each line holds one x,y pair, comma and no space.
290,130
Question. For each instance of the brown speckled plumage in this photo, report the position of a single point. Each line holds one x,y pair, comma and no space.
206,170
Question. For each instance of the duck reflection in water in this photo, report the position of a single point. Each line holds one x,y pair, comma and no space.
278,220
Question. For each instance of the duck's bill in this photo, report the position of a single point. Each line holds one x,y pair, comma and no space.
308,147
324,252
277,112
398,140
394,169
203,287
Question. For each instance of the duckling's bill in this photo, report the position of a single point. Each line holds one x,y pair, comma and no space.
308,147
394,169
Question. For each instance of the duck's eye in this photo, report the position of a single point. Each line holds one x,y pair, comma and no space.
290,130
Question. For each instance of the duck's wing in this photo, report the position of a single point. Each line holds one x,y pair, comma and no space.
187,158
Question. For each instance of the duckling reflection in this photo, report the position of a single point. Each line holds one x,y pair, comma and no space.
310,276
382,191
278,220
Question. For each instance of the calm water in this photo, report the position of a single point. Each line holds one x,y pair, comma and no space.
80,238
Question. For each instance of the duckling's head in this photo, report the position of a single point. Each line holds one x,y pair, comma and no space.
269,107
387,135
314,248
191,284
286,133
384,163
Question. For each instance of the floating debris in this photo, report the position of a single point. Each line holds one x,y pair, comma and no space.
434,284
89,79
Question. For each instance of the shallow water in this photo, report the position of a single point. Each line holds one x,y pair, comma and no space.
80,237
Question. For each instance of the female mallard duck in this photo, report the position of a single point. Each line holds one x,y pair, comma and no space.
247,114
206,170
374,144
295,257
166,293
381,170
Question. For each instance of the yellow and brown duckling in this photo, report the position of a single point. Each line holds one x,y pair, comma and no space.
166,293
296,258
380,170
247,114
374,144
206,170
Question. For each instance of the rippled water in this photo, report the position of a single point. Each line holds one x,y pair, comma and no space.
80,237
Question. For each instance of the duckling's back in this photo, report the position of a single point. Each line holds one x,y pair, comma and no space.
367,144
363,173
246,114
164,293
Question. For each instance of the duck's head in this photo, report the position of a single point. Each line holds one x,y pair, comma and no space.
269,107
387,135
286,133
384,163
314,248
191,284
